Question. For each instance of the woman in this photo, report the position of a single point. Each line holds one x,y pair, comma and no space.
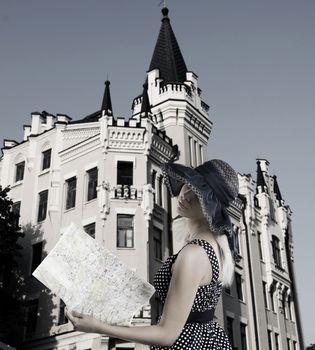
190,282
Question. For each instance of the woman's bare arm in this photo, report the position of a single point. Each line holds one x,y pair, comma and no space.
187,274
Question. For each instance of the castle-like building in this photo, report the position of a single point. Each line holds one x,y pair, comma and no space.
103,173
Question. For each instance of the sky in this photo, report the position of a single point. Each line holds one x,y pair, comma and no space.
256,66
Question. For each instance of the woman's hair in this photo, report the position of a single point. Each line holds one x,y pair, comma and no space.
182,233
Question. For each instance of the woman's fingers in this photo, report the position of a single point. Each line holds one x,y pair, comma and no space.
77,314
73,313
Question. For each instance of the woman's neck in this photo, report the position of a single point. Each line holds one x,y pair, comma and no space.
200,229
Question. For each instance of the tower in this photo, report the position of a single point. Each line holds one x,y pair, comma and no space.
175,98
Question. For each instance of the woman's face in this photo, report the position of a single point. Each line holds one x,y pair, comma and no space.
188,204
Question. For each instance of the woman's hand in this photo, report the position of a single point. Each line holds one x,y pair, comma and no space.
83,323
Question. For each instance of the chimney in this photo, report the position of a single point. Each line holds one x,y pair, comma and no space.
27,131
63,118
36,127
50,120
9,143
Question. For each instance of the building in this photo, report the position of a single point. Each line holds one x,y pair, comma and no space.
103,173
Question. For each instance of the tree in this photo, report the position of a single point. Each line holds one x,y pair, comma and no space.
11,283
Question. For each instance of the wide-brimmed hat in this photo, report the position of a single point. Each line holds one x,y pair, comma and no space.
216,185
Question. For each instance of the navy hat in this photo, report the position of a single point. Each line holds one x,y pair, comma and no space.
216,185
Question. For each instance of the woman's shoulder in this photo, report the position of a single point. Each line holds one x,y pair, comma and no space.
194,254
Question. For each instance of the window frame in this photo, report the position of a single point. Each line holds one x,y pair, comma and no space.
276,251
17,166
129,178
94,183
40,216
126,216
69,194
44,157
239,287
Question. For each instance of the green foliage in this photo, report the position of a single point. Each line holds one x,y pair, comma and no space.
9,231
11,283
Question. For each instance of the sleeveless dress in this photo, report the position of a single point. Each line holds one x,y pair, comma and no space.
196,336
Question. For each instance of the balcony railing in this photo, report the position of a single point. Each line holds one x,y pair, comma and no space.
125,191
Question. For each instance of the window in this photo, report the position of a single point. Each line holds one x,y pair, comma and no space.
124,173
71,191
229,329
16,211
272,292
277,341
42,206
125,231
276,250
288,344
284,305
227,289
160,190
46,156
90,229
196,152
238,281
272,209
36,255
19,171
190,150
32,308
270,339
157,243
237,231
153,178
265,295
62,317
294,345
92,183
243,336
259,245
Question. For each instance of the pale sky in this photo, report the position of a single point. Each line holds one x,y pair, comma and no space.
256,66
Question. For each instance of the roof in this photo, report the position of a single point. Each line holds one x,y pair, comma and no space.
167,56
89,118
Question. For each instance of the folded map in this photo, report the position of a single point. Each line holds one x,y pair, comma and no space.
92,280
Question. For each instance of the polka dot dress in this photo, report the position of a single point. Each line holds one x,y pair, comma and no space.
196,336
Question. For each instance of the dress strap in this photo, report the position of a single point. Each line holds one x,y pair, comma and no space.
211,254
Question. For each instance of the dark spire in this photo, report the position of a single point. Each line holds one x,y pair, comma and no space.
145,107
107,103
276,189
167,56
260,178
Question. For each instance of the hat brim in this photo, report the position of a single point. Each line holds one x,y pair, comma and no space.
176,175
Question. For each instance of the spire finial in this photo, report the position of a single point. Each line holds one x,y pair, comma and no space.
107,103
145,107
164,11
